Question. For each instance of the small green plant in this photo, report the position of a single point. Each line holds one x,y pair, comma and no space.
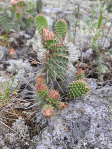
100,66
4,94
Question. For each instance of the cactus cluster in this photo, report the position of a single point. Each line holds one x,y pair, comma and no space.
51,97
57,61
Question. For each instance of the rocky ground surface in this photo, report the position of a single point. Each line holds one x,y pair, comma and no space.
86,122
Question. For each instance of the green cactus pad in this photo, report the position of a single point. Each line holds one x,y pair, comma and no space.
40,21
76,89
60,28
39,6
56,65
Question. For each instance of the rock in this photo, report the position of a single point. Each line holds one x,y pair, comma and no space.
92,83
15,64
74,52
77,122
104,69
21,33
27,36
87,54
11,39
102,41
37,45
3,53
23,134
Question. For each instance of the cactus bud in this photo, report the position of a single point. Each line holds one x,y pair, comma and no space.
10,7
79,74
61,106
47,35
17,15
41,88
77,89
40,79
54,95
13,2
47,111
30,18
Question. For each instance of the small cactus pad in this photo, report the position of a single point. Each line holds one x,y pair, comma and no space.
77,89
40,21
60,28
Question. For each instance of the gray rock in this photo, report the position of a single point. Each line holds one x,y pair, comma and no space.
92,83
3,53
15,64
87,54
79,121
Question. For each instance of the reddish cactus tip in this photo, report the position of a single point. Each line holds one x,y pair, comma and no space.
80,71
62,20
47,35
48,113
41,88
54,95
13,2
40,79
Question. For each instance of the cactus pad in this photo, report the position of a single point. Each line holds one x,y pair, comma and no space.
60,28
40,21
77,89
57,63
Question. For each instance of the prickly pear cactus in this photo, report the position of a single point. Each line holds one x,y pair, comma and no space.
40,21
77,89
60,28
